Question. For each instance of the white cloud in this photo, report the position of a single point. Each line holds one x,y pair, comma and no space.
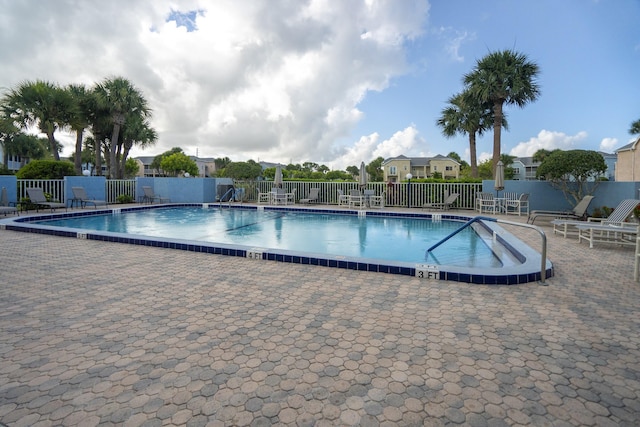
548,140
368,148
608,145
454,40
275,80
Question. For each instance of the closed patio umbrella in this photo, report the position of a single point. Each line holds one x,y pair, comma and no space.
363,175
499,178
277,180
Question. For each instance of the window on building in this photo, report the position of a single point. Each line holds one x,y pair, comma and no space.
449,168
393,170
516,171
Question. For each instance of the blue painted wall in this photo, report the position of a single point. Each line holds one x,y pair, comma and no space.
93,185
11,184
183,190
542,196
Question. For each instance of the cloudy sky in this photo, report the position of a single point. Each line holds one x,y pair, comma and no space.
335,82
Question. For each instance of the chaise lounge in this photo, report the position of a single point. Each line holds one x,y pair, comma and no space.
578,212
37,198
80,196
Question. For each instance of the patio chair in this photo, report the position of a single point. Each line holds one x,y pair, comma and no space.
264,197
377,202
578,212
517,204
150,196
37,198
356,199
312,197
445,205
5,206
291,197
278,196
80,196
486,202
343,199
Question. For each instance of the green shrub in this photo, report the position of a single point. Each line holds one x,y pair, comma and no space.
124,198
46,169
5,170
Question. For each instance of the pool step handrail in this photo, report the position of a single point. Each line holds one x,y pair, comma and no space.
230,192
465,225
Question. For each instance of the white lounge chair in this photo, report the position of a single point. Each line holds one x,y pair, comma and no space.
613,229
578,212
445,205
619,214
312,197
37,198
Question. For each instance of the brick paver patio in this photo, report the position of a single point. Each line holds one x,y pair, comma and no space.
108,334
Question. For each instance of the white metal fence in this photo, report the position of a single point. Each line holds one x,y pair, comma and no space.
115,188
396,194
52,187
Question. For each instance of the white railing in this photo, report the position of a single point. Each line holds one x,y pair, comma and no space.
52,187
395,194
115,188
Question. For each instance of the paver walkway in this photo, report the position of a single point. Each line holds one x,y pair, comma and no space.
108,334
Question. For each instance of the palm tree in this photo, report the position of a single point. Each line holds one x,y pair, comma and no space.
122,99
136,132
635,128
504,77
43,104
81,121
465,115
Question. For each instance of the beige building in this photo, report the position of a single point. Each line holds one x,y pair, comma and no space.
628,162
396,168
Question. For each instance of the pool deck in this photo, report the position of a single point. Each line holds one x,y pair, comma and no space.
99,333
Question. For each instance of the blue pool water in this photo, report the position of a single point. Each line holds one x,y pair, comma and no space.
373,237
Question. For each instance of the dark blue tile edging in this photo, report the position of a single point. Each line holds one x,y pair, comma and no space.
398,268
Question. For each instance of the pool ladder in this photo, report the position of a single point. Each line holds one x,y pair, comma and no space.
543,266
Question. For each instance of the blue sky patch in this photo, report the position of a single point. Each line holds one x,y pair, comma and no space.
185,19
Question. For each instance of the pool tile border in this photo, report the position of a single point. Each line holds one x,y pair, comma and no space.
510,276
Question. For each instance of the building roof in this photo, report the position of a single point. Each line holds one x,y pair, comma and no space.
419,161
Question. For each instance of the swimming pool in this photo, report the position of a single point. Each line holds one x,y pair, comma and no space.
372,241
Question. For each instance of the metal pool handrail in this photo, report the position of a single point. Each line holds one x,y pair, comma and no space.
543,262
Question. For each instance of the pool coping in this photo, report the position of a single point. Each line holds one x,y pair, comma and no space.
528,271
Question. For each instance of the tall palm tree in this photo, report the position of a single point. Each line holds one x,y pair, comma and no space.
137,131
122,99
503,77
635,128
80,122
43,104
465,115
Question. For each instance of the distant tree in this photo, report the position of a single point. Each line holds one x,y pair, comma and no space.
635,128
485,169
338,175
455,156
131,168
540,155
80,119
507,161
243,170
177,163
503,77
574,172
353,170
323,168
157,160
374,169
222,162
